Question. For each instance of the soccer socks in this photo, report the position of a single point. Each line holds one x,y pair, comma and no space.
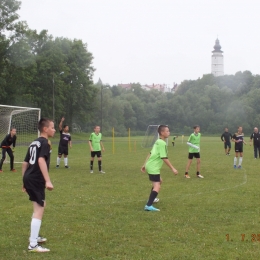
153,195
35,229
235,161
99,165
58,160
91,165
66,161
240,161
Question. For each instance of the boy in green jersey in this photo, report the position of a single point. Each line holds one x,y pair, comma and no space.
194,151
95,143
153,165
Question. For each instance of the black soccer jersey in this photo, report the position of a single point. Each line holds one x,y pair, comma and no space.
226,136
8,141
64,139
33,176
256,138
240,138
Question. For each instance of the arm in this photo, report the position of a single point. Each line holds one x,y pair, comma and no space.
70,143
168,163
14,141
61,122
44,170
222,137
90,146
103,148
251,137
25,165
143,167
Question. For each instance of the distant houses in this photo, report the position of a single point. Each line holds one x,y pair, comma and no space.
165,88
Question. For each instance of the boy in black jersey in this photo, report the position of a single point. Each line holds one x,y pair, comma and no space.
36,179
226,137
65,141
9,140
238,138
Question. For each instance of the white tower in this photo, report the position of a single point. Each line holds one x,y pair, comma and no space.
217,60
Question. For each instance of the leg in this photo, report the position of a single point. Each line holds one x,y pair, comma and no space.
255,151
240,160
65,156
198,165
3,158
58,160
235,160
154,192
11,155
99,156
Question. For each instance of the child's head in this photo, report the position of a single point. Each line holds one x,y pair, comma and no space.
240,129
97,129
196,129
46,126
66,128
13,131
164,131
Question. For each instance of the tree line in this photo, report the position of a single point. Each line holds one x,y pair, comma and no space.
56,75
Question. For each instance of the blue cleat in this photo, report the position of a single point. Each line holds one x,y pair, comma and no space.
235,166
150,208
239,167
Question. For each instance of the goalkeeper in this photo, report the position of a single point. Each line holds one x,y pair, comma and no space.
9,140
194,151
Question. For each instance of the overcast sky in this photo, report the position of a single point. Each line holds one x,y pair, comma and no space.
154,41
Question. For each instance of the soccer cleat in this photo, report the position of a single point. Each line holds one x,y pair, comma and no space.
235,166
156,200
91,171
228,153
67,167
239,167
41,239
57,166
38,249
187,176
150,208
13,170
102,171
200,176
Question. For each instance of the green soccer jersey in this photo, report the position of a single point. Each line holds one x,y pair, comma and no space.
95,141
155,162
194,139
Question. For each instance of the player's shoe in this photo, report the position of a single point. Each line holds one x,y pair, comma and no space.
228,153
38,249
13,170
67,167
91,171
57,166
200,176
235,166
41,239
239,167
150,208
102,171
156,200
187,176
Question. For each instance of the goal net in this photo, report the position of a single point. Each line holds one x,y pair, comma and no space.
151,135
25,120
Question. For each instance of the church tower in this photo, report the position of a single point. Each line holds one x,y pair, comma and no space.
217,60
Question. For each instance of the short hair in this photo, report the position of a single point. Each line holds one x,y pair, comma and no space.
161,128
12,128
194,127
44,122
65,126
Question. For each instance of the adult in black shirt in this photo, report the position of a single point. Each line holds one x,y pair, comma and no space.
9,140
255,136
226,138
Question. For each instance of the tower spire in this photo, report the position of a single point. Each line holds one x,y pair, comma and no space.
217,60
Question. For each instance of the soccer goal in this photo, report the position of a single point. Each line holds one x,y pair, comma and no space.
25,120
151,135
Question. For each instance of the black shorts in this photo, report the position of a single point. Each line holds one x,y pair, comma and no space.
191,155
154,177
96,153
227,145
239,149
37,196
63,150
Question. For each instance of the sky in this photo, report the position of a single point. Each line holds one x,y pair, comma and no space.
154,41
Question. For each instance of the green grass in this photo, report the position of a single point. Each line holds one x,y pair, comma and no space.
94,216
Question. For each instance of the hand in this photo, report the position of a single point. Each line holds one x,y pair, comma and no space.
13,150
70,146
175,171
103,149
23,189
91,149
49,185
62,119
143,169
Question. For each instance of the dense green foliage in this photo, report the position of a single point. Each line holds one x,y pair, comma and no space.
34,67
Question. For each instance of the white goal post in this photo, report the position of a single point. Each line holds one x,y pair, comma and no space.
151,135
25,121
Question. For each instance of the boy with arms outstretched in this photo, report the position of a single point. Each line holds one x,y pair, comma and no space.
153,165
36,179
65,141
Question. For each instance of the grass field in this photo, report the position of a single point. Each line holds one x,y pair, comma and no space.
94,216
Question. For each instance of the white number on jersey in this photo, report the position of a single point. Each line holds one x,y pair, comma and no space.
32,155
